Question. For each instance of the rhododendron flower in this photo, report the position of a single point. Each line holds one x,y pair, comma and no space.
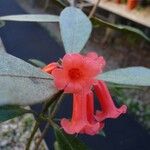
107,105
83,120
77,72
76,75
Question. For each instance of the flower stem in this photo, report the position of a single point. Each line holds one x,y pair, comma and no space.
41,118
42,136
54,98
50,122
32,135
56,106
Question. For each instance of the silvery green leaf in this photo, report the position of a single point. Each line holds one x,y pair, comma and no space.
138,76
31,18
122,28
75,29
22,83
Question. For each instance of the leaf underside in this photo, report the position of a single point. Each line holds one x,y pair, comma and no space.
75,29
138,76
31,18
22,83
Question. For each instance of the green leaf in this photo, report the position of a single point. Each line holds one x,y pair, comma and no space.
68,142
75,29
37,63
11,111
122,28
31,18
136,76
22,83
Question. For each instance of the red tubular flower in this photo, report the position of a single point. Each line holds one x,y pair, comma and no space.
76,75
77,72
107,105
83,120
90,117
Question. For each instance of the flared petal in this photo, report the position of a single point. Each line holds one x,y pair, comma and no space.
72,128
92,129
72,60
100,60
96,64
115,113
94,69
92,55
60,79
109,110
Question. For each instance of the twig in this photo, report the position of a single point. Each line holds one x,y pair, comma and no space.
52,114
44,110
32,135
82,5
42,136
46,4
54,98
49,123
94,9
72,2
55,108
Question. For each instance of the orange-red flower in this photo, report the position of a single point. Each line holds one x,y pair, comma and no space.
82,120
76,75
77,72
107,105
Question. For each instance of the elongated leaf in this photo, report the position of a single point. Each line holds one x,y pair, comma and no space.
11,111
36,63
75,29
22,83
138,76
31,18
123,28
68,142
